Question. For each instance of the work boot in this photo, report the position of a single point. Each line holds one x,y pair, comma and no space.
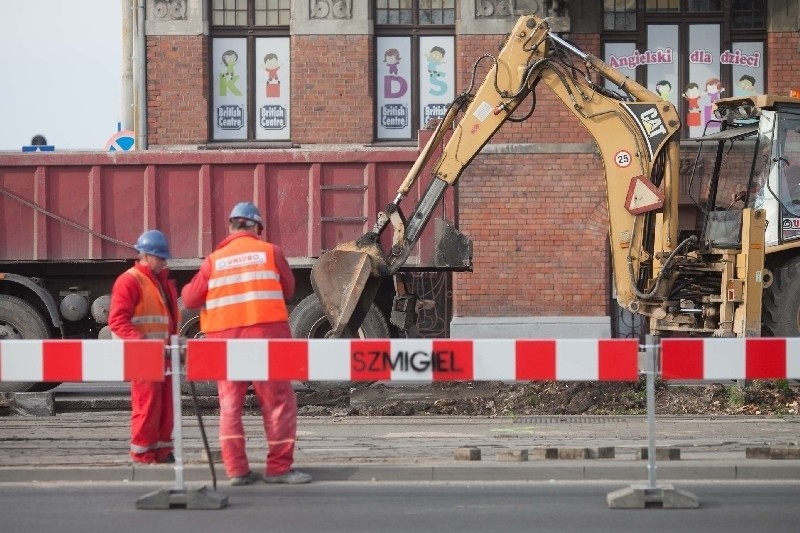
167,459
292,477
246,479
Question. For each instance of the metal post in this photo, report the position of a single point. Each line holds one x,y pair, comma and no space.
650,376
128,42
177,431
651,495
140,77
179,497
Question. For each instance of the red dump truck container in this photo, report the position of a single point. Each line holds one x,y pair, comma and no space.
68,222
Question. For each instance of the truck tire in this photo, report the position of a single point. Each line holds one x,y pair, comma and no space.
190,322
780,316
308,321
190,328
20,320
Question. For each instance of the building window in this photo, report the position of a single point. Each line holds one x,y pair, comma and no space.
393,12
414,65
662,6
250,70
244,12
437,12
694,60
229,13
748,14
707,6
619,15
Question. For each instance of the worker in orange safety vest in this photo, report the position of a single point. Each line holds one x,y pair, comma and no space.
241,290
144,305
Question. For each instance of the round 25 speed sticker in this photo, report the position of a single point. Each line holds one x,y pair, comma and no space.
623,158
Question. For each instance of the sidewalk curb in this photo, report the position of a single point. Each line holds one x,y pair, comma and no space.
633,471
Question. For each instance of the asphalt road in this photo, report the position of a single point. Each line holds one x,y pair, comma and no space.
725,507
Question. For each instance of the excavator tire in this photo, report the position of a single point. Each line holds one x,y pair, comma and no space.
308,321
780,315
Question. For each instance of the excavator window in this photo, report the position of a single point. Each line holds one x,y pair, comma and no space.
723,188
789,157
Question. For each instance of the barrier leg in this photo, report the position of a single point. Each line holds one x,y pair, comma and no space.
180,497
651,495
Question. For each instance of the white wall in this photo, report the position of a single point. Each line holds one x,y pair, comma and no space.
61,66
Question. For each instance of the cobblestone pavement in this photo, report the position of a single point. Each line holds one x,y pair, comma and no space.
101,438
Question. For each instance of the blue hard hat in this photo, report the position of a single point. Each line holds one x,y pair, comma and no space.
247,211
153,242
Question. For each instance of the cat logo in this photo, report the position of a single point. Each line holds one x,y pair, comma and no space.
650,124
653,124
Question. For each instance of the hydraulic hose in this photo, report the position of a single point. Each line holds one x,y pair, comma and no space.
203,435
664,268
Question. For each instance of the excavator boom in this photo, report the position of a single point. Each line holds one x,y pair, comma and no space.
345,279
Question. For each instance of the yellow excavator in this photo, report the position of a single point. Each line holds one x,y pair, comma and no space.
709,280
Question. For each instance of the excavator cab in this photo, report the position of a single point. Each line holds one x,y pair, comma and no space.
754,163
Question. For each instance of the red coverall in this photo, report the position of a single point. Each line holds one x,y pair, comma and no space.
151,401
276,398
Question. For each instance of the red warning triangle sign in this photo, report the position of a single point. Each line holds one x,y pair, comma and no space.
643,196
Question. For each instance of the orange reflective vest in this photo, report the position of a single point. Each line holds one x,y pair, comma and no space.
151,314
244,287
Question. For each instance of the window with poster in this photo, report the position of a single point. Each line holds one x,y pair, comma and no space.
690,52
414,65
250,70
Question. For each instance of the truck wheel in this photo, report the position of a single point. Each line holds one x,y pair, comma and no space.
780,315
190,328
19,320
308,321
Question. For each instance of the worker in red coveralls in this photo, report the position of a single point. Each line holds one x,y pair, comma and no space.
144,305
242,288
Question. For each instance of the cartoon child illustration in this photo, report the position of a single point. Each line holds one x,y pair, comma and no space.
747,84
392,60
692,95
435,58
229,59
664,89
227,79
714,89
271,66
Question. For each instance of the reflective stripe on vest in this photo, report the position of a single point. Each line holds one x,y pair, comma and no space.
252,296
243,287
150,316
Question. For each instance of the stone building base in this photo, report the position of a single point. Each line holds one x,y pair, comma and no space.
534,327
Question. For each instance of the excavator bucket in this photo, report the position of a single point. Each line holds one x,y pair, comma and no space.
343,283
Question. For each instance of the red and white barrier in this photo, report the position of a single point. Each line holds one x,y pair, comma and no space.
727,359
81,360
412,359
399,359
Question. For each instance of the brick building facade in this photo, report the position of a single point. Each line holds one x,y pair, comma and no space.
533,202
